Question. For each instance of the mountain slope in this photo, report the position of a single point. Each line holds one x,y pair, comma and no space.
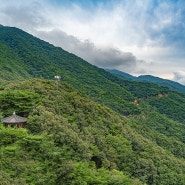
37,58
122,74
69,132
163,82
175,86
74,140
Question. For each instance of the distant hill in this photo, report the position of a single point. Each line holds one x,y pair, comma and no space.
175,86
121,74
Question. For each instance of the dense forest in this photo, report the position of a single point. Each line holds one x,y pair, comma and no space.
94,128
175,86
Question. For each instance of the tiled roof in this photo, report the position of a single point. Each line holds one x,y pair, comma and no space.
14,119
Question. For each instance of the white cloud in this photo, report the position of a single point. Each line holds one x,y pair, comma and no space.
179,76
102,57
132,31
28,16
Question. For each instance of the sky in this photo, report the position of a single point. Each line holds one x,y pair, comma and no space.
139,37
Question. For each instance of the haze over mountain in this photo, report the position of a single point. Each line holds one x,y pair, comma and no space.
95,128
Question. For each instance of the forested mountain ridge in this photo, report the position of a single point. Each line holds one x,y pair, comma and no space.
24,56
175,86
72,139
41,59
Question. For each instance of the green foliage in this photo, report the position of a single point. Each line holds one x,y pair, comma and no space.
71,139
174,86
25,56
5,179
85,174
17,100
162,124
10,135
172,104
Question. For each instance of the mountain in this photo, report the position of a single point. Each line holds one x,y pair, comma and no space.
95,128
122,74
72,140
175,86
24,56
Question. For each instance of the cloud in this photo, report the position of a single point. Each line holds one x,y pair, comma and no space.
167,25
130,25
38,18
107,33
179,76
114,58
28,16
102,57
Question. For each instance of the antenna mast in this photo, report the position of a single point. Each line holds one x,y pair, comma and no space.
57,79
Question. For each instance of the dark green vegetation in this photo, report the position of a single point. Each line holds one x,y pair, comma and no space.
37,58
152,79
95,129
73,140
21,101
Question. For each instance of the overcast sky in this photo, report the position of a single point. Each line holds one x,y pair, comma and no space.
136,36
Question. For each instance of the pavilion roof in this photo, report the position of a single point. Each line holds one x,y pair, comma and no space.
14,119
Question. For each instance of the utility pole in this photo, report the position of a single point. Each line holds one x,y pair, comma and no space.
57,79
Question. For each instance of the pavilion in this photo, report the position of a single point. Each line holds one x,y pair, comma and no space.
14,121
